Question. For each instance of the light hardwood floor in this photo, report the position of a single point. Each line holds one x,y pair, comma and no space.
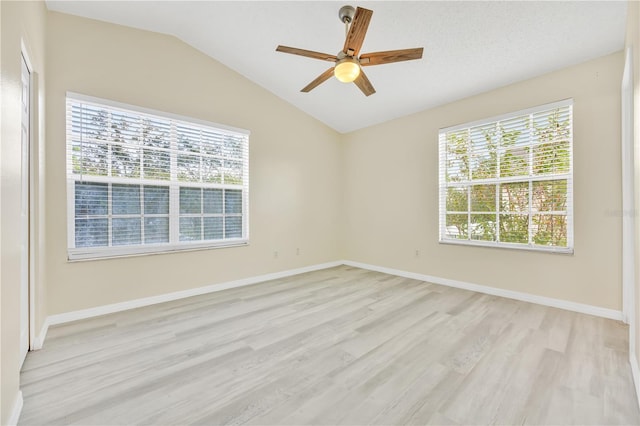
337,346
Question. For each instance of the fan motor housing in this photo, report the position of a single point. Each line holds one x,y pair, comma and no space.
346,14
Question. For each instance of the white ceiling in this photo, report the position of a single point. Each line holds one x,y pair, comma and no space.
469,47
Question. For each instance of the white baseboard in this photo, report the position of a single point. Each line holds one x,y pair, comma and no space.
16,411
635,371
525,297
146,301
38,340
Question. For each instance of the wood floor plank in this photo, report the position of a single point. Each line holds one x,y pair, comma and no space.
336,346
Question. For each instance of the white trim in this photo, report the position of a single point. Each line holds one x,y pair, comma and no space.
628,202
168,297
509,294
26,178
635,373
509,246
33,125
38,341
34,136
17,410
26,55
99,253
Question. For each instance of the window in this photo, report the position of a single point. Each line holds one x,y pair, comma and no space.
507,181
141,181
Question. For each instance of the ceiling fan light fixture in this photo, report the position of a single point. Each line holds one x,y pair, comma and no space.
347,70
348,61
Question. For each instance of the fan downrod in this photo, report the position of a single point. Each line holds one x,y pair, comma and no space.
346,14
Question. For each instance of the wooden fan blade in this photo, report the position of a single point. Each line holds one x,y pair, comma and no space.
364,84
321,79
357,31
307,53
390,56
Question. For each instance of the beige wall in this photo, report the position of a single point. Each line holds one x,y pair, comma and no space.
295,174
21,22
391,198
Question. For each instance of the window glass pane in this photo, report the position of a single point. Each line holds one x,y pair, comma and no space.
90,131
550,195
125,199
91,121
514,162
549,230
233,201
457,226
188,138
156,199
212,143
457,167
156,133
514,132
125,161
483,198
213,228
457,199
156,230
190,228
157,164
92,232
552,126
233,227
514,228
232,147
211,170
91,199
190,200
189,168
126,231
232,172
92,158
551,158
514,197
125,128
213,201
484,148
483,227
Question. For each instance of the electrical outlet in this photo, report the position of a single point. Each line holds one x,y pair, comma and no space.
417,253
275,254
298,252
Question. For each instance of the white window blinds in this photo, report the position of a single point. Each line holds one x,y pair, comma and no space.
141,181
508,181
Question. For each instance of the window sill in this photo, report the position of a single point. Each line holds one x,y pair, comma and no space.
509,246
102,253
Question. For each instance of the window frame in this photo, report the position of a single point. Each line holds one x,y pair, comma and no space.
443,185
175,244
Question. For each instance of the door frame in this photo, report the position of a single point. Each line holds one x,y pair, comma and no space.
33,126
628,201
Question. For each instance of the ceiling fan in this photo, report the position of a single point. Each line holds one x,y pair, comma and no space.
348,65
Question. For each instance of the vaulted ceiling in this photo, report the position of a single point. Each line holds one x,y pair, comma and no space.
469,47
